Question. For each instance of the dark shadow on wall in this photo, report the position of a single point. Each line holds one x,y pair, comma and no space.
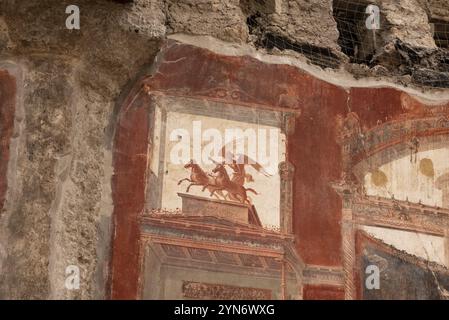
350,16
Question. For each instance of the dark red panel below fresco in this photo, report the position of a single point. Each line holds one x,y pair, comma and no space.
7,110
321,292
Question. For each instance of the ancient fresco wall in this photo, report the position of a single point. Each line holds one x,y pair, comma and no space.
316,137
80,154
253,138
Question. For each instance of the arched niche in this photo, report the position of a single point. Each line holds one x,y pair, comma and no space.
153,105
408,141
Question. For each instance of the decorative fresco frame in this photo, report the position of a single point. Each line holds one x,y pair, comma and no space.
132,149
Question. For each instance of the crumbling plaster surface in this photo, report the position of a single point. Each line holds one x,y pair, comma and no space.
58,210
408,21
438,9
72,81
305,22
343,78
222,19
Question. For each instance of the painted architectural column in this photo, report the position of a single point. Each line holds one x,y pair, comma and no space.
350,138
287,173
446,247
348,248
348,229
283,279
442,183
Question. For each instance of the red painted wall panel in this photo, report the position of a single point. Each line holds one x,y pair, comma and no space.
322,292
8,93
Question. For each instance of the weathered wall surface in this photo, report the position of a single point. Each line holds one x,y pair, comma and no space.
438,9
221,19
58,207
72,80
408,22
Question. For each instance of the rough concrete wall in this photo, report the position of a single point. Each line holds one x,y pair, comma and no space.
438,9
298,21
301,27
404,48
221,19
72,80
306,22
407,21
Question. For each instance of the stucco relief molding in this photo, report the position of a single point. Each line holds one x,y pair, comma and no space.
385,135
401,215
229,95
359,143
317,275
197,290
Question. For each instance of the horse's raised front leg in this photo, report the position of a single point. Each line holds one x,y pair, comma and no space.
192,184
182,180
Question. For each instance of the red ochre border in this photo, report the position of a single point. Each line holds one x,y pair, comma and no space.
8,99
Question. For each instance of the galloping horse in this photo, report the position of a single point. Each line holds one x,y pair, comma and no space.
200,178
223,182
